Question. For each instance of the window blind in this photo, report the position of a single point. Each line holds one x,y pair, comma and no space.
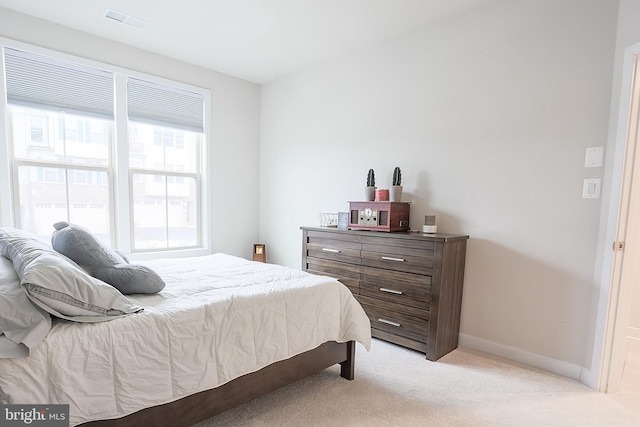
157,104
38,81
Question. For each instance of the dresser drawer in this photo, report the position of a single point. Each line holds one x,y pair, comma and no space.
415,293
410,247
334,246
400,255
421,312
338,238
395,322
348,274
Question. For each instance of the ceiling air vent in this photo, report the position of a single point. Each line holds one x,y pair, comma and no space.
125,19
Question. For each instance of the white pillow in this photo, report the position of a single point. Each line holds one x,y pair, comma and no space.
22,324
57,284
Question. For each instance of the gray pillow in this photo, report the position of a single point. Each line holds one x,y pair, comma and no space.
102,262
58,285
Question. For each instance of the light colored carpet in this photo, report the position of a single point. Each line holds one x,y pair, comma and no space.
395,386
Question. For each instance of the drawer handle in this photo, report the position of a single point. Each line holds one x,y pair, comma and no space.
391,291
388,258
335,251
389,322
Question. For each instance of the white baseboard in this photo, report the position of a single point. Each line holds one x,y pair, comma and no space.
591,379
555,366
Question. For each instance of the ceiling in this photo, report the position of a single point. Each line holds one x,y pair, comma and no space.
256,40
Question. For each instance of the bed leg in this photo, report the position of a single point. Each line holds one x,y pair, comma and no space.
347,368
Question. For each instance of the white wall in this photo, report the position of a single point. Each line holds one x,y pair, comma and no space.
234,120
488,114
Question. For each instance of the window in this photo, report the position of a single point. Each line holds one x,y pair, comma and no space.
143,190
165,126
165,188
59,172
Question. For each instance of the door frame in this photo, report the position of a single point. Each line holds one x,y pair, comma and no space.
624,205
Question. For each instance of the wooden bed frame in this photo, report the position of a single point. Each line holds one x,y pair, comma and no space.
200,406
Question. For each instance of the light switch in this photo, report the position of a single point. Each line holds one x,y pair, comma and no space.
591,188
593,158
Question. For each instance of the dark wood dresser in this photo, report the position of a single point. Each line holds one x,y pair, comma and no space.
409,284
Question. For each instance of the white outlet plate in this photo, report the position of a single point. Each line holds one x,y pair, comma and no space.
593,157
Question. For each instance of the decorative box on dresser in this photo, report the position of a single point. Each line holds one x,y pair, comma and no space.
409,284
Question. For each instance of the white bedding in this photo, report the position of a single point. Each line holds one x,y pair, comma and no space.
35,282
219,317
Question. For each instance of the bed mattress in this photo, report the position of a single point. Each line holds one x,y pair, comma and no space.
219,317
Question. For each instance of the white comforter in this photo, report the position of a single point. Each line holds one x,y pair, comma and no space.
219,317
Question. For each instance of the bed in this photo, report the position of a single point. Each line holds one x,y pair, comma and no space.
223,331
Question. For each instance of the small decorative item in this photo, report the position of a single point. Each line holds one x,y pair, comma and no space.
370,189
382,195
396,189
260,252
329,220
343,220
429,226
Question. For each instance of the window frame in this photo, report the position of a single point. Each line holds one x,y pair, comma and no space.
122,206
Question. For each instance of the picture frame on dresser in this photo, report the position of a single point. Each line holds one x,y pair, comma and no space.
409,284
